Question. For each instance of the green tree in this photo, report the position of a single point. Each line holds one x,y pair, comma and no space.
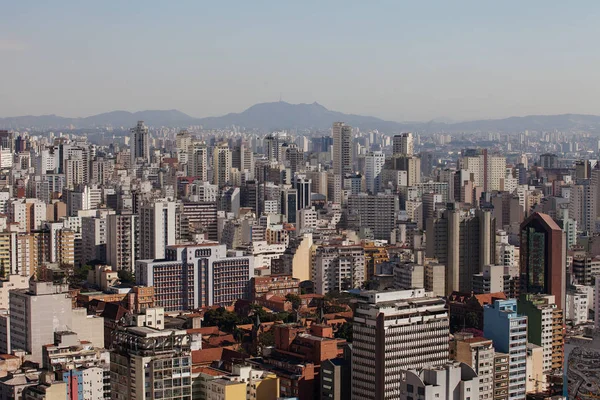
295,300
344,332
126,277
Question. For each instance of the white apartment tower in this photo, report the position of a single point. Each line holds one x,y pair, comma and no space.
157,228
373,166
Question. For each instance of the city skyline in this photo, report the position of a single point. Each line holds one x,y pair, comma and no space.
401,61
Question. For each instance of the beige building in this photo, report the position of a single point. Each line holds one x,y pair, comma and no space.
478,353
536,379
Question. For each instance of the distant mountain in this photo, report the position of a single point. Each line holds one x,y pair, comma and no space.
114,119
282,115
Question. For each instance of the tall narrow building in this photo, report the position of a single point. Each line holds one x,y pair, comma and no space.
342,157
221,165
157,228
198,161
463,242
543,258
394,331
140,143
373,166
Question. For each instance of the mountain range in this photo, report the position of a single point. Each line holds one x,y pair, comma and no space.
281,115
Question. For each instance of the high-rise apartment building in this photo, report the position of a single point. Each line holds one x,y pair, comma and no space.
395,331
543,257
221,165
338,268
544,328
342,157
478,353
140,143
403,144
157,228
197,160
376,212
121,241
374,161
463,242
151,364
508,330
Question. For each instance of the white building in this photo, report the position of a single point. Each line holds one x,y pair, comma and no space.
390,330
577,307
338,268
373,166
157,228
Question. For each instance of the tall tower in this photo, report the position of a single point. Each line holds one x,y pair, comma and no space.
198,161
342,157
140,144
157,227
543,257
373,166
342,148
221,165
463,243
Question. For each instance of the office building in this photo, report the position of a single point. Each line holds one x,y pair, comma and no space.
396,331
140,143
543,258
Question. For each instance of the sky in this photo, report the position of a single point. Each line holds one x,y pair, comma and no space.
398,60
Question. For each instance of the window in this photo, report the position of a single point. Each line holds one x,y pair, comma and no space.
410,388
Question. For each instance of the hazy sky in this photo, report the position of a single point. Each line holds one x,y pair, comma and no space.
396,60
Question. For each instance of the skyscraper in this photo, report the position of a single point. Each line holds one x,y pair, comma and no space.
373,166
543,257
342,157
140,143
221,165
464,243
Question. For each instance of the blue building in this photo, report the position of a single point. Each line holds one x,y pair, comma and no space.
508,330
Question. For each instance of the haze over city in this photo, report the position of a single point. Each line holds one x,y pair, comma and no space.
338,200
401,61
